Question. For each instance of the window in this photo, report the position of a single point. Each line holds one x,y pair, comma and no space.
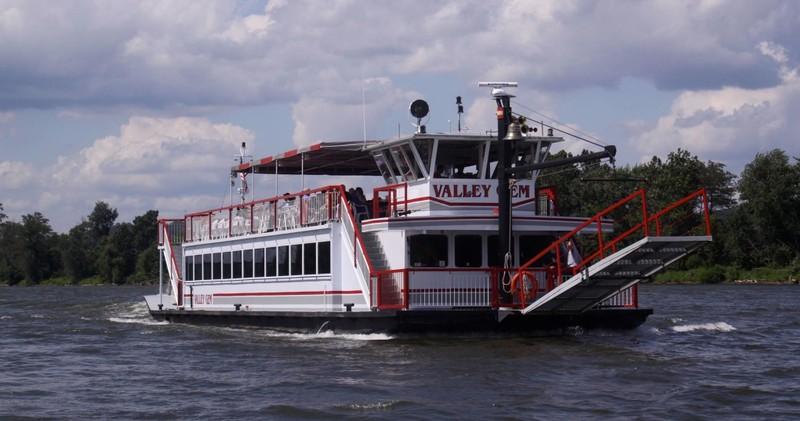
283,261
248,264
456,159
206,266
492,249
324,253
531,245
425,150
258,263
189,266
272,261
237,264
468,251
383,167
297,259
310,258
428,250
226,265
198,267
217,264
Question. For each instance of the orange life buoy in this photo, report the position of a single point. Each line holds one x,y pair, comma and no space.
529,285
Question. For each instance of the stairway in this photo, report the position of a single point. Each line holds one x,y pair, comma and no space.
375,251
615,272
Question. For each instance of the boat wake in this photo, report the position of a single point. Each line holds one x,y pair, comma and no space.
132,313
328,334
710,327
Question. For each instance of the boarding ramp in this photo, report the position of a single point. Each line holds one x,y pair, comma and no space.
615,273
619,263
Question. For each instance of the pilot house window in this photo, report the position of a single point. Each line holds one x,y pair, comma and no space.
427,250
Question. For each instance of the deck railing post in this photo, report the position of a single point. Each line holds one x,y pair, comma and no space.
645,223
405,198
599,238
558,264
405,289
706,212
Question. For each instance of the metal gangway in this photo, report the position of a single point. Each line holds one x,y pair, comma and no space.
618,263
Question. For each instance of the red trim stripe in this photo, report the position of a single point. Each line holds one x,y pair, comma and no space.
473,218
445,202
284,293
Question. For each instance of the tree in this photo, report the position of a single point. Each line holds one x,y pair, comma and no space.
10,234
770,193
117,258
101,220
38,255
76,252
145,233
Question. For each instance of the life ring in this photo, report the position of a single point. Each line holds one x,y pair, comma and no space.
530,285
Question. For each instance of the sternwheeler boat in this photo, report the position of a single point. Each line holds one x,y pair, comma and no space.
457,236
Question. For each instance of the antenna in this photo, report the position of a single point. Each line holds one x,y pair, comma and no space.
497,87
363,110
460,111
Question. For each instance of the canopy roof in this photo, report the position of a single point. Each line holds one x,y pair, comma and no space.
324,158
355,157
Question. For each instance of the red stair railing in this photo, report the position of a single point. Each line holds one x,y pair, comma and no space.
603,246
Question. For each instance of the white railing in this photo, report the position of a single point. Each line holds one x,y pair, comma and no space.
448,289
628,297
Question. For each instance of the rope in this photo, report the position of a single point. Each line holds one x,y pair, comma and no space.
596,142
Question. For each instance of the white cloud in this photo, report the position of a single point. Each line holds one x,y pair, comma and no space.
142,167
15,175
203,52
730,124
317,119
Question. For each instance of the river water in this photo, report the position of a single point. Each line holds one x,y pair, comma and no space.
717,351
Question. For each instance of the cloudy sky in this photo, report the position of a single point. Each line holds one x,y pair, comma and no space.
143,103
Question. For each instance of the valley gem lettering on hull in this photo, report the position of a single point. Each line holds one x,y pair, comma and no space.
476,190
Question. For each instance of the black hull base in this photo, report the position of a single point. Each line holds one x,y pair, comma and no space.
414,321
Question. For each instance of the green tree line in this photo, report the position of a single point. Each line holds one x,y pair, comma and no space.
755,217
98,249
755,221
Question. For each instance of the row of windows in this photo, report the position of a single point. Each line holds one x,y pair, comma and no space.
295,259
431,250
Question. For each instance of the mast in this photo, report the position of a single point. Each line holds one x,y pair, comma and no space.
504,149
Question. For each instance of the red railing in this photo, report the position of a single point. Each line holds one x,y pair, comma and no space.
309,207
392,202
567,241
358,240
402,289
445,288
